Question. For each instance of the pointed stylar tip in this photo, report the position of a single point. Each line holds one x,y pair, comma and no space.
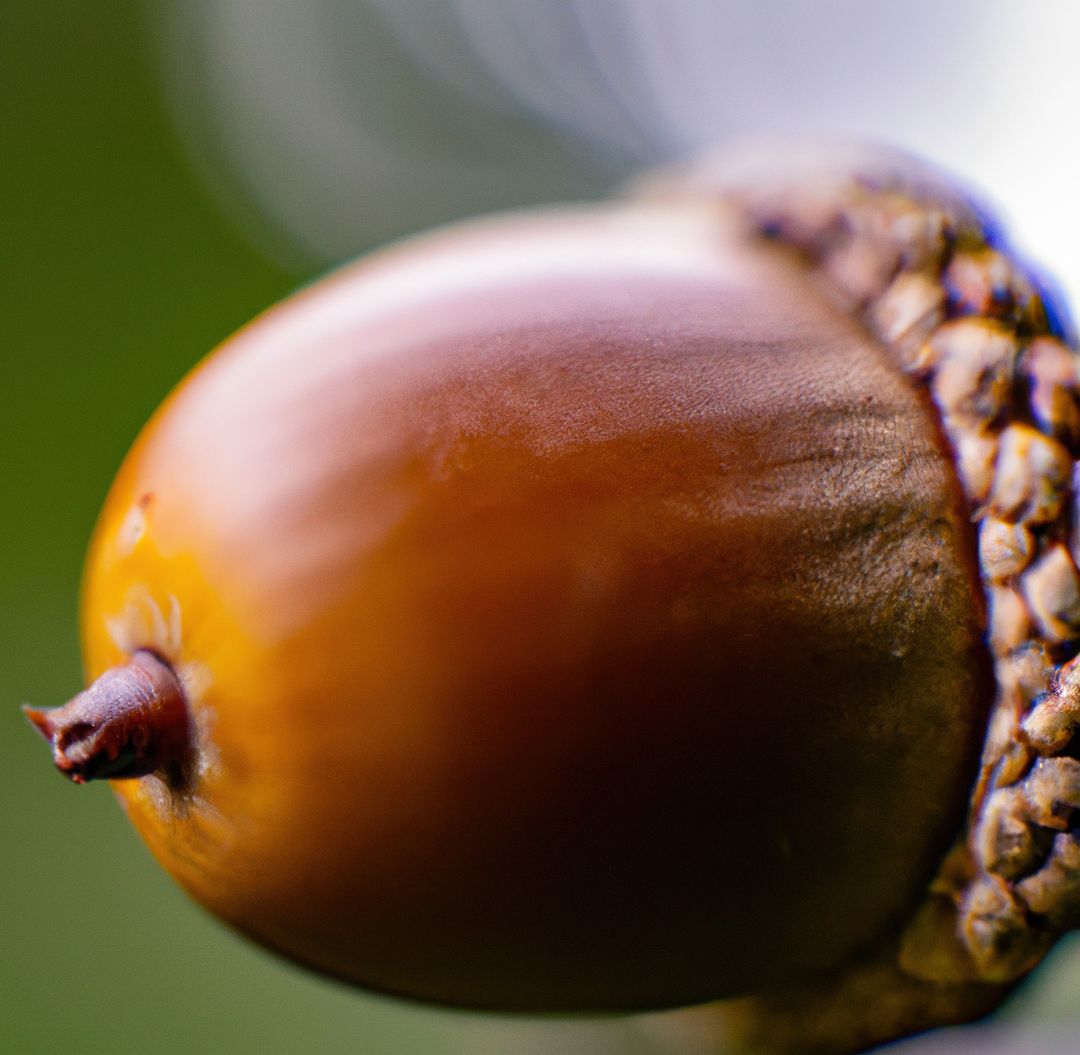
131,722
41,721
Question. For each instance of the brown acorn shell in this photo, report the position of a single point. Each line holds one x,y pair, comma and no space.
577,611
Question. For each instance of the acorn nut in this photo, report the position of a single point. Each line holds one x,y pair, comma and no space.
620,607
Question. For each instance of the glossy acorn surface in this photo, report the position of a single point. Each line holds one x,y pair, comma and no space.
576,611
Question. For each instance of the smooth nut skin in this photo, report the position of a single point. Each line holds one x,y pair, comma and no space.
577,612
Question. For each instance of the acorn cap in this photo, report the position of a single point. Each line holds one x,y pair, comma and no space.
926,271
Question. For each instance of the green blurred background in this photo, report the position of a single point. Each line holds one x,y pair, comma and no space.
119,272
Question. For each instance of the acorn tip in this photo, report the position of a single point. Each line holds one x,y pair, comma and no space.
132,721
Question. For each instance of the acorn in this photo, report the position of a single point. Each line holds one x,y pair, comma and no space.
621,607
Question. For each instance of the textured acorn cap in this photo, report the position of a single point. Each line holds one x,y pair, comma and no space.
930,276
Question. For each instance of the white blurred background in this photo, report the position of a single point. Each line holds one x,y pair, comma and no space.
328,126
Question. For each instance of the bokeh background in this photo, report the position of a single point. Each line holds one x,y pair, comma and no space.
167,171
